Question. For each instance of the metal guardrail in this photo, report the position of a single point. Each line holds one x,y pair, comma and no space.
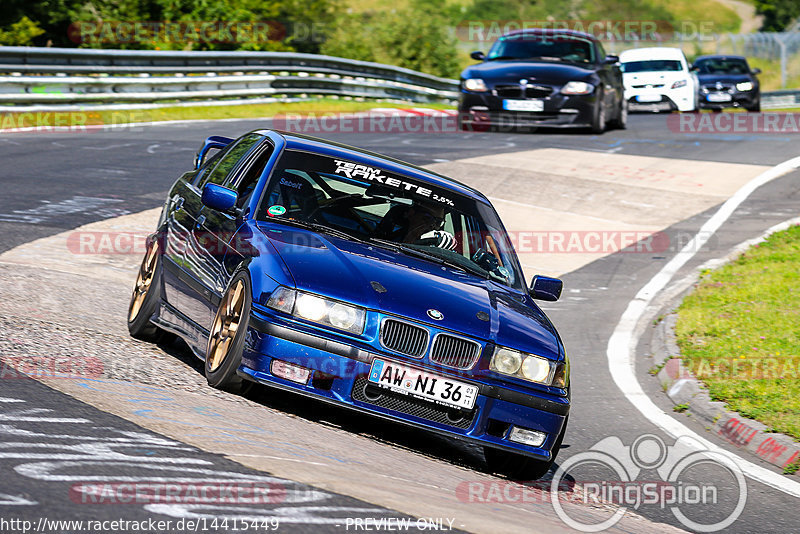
67,76
787,98
83,76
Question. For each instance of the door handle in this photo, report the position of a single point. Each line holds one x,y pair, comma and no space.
201,220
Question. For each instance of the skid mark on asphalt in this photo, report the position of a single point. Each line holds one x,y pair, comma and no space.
95,460
296,448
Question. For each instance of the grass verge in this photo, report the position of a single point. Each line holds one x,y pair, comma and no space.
11,119
739,332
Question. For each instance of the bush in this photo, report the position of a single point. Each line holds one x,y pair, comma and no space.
20,33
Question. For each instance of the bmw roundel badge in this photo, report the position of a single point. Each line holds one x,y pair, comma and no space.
436,315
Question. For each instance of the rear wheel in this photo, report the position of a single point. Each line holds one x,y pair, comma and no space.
226,338
755,108
146,296
519,467
621,120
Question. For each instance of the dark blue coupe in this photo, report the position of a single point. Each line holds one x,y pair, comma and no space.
362,281
543,77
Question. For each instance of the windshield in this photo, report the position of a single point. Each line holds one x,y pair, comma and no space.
722,66
653,65
390,210
542,46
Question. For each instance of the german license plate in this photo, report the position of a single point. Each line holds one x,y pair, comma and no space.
421,384
524,105
648,98
718,97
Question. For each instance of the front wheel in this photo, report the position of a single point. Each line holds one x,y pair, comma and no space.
599,117
518,467
226,338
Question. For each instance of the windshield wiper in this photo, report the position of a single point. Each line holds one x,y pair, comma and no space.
411,251
321,228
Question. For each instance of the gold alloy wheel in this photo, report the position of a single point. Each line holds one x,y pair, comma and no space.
143,281
225,326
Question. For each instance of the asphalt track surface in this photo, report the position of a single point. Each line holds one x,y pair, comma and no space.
55,182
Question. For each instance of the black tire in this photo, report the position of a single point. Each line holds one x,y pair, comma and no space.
755,108
716,110
599,117
521,468
139,325
620,122
221,374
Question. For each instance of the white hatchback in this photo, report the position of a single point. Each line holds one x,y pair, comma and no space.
658,78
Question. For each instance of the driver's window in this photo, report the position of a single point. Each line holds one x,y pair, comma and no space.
229,160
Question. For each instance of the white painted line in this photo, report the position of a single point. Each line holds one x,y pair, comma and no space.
281,458
6,399
622,344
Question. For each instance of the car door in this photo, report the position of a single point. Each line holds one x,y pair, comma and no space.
196,262
611,77
219,228
181,246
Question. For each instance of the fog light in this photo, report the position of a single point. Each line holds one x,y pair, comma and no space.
527,437
289,371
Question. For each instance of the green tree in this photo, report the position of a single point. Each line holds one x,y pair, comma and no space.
21,33
417,37
778,14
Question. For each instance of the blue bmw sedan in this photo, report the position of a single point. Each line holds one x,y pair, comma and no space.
362,281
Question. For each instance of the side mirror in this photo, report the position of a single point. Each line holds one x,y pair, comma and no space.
218,197
477,55
546,288
611,60
755,71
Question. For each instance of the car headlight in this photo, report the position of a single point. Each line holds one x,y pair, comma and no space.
577,88
679,83
318,309
744,86
530,367
475,84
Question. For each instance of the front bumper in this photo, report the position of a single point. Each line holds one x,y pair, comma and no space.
339,376
658,99
737,99
559,111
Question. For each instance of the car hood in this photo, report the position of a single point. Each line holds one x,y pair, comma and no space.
723,78
494,72
408,287
653,78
